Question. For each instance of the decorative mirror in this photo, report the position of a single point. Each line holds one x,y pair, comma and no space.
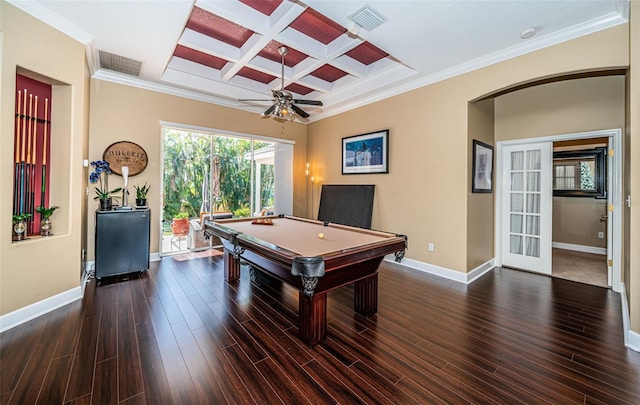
580,173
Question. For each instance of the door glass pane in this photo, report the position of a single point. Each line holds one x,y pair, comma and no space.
516,223
517,182
185,195
533,225
516,202
533,160
533,181
532,247
516,244
263,178
235,175
533,203
517,160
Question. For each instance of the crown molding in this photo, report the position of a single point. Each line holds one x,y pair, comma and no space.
109,76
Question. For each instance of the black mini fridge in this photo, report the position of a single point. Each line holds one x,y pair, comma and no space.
122,241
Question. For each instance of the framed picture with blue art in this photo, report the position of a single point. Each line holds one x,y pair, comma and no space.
366,153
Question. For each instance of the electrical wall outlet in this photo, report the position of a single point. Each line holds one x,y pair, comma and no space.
600,235
431,247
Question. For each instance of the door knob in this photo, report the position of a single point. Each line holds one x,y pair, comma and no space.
604,218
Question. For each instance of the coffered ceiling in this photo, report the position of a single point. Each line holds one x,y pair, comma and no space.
221,51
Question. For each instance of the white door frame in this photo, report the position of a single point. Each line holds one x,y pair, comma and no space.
614,190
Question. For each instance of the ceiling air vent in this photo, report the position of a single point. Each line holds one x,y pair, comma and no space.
367,18
119,63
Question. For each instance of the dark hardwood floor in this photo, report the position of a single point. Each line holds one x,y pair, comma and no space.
179,334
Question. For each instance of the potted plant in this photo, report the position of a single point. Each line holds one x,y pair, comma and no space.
141,195
19,225
180,224
103,193
45,219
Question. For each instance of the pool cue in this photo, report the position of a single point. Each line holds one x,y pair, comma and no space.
16,182
44,152
27,202
22,156
34,145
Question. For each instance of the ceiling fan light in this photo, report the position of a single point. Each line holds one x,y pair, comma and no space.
280,111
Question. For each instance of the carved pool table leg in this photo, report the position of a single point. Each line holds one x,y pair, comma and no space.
365,295
231,266
313,318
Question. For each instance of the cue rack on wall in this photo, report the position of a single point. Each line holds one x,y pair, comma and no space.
32,149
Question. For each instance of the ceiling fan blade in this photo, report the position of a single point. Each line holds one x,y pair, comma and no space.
269,110
308,102
256,99
299,111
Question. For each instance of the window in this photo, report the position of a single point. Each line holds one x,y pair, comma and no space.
580,173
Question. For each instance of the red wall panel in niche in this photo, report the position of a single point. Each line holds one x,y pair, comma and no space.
32,149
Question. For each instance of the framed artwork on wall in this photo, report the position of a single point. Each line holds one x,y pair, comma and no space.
366,153
482,168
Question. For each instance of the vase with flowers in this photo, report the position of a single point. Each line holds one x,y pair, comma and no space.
101,174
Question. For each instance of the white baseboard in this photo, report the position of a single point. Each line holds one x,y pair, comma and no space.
465,278
580,248
631,338
32,311
481,270
25,314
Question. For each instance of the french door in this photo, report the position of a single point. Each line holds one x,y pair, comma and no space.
526,206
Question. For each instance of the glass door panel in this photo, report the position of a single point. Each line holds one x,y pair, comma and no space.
526,225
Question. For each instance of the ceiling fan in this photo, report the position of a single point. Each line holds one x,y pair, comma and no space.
284,105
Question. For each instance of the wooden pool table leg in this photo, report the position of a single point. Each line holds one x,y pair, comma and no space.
313,318
365,295
231,266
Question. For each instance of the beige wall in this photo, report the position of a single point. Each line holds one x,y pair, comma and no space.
480,206
577,221
426,193
121,112
564,107
39,268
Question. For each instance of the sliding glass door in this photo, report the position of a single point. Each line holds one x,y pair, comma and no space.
208,174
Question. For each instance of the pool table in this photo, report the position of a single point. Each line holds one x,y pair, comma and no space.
313,256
